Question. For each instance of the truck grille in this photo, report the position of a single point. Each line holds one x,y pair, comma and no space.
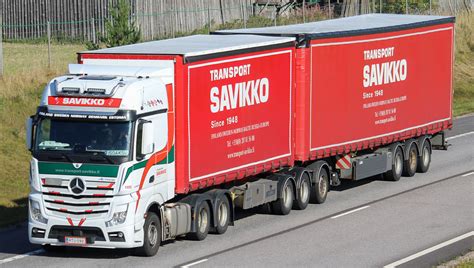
94,201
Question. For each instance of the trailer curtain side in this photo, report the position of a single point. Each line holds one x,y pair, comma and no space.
369,80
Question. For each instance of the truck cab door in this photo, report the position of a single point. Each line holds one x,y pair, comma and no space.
162,151
152,135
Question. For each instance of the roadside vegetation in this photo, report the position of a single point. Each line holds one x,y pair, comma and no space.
464,261
26,73
464,65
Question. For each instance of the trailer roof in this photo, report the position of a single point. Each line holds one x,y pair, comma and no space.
199,47
348,26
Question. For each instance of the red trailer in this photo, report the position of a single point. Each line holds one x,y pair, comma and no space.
367,81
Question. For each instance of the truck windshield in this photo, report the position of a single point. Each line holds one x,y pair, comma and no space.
69,138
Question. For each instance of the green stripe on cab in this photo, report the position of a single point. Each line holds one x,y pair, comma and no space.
81,170
169,159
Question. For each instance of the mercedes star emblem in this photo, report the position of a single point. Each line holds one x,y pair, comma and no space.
77,186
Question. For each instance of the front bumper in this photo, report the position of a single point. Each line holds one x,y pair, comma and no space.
95,231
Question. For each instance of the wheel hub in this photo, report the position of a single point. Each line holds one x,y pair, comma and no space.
287,196
426,155
152,234
202,220
304,191
412,159
322,185
398,164
223,214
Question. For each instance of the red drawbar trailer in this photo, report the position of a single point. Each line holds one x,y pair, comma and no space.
367,81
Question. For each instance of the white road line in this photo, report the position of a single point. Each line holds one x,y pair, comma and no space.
349,212
460,135
468,174
194,263
21,256
429,250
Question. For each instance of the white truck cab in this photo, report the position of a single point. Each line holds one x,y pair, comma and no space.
103,153
112,165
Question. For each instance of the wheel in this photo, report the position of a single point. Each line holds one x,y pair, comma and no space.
409,167
282,206
53,249
152,236
320,187
397,167
303,192
203,222
223,215
424,159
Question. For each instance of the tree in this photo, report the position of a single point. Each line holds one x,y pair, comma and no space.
119,29
356,7
400,7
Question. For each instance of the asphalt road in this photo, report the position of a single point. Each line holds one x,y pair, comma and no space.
370,223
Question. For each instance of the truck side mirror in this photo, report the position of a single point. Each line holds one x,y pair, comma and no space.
147,145
29,133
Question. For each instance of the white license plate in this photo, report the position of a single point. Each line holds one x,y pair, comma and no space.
74,240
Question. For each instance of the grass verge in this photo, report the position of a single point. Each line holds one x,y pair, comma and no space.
464,65
26,73
464,261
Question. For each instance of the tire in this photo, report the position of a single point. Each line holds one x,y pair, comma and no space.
424,160
152,236
411,163
222,215
397,167
283,205
320,188
303,192
203,222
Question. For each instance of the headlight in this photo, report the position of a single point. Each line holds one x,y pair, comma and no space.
119,217
35,212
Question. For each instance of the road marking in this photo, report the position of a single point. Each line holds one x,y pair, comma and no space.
21,256
460,135
298,227
349,212
429,250
468,174
194,263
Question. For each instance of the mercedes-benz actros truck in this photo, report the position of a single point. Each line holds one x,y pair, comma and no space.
142,143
